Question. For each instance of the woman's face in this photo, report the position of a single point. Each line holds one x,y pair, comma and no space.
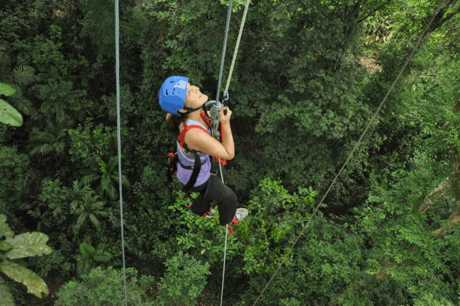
195,98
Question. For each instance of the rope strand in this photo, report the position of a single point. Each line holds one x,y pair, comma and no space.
219,84
120,187
224,49
223,268
237,47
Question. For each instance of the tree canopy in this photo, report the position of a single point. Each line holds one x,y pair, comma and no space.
309,76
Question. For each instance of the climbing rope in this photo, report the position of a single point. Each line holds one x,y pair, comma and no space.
350,156
120,188
237,47
235,53
219,83
223,268
224,49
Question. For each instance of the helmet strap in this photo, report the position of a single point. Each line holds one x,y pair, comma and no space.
188,110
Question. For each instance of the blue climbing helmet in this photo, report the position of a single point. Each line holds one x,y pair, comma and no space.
173,93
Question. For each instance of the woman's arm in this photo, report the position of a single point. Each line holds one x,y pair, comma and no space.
197,139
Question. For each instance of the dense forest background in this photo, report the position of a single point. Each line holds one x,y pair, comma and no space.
309,75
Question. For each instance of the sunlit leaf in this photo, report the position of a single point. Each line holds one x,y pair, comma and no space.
34,283
27,245
5,230
9,115
6,90
5,246
6,298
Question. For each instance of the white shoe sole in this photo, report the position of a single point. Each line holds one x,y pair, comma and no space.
241,213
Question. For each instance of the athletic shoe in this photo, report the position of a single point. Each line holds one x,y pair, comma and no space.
240,214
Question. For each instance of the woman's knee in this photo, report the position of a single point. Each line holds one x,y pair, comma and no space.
230,197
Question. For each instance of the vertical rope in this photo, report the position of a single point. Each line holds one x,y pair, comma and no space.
237,46
120,187
219,84
221,173
223,268
224,48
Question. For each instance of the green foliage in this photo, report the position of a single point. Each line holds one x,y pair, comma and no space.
6,90
278,216
98,25
5,230
105,287
90,257
14,180
27,245
47,142
429,299
200,236
325,259
80,205
6,298
8,114
17,247
403,247
183,282
34,283
309,75
98,156
438,95
86,207
73,215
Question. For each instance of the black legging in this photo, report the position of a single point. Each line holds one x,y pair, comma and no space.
215,191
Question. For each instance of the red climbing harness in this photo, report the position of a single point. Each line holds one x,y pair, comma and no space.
186,128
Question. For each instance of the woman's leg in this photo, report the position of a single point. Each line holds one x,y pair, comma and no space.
225,197
201,205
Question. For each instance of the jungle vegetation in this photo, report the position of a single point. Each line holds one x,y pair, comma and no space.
309,76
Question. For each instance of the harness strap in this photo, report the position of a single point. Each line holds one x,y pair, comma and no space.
181,137
187,127
222,162
197,163
206,119
208,122
195,172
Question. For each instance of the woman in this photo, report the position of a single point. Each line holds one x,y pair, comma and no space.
184,104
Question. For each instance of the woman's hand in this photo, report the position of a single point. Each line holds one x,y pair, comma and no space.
225,115
199,140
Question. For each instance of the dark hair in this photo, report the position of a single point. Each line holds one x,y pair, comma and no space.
174,122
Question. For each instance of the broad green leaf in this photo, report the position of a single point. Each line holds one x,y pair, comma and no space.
27,245
6,298
9,115
5,246
6,90
34,283
80,221
86,249
5,230
104,257
94,221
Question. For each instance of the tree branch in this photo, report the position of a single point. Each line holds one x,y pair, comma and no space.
440,19
454,219
450,15
437,192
